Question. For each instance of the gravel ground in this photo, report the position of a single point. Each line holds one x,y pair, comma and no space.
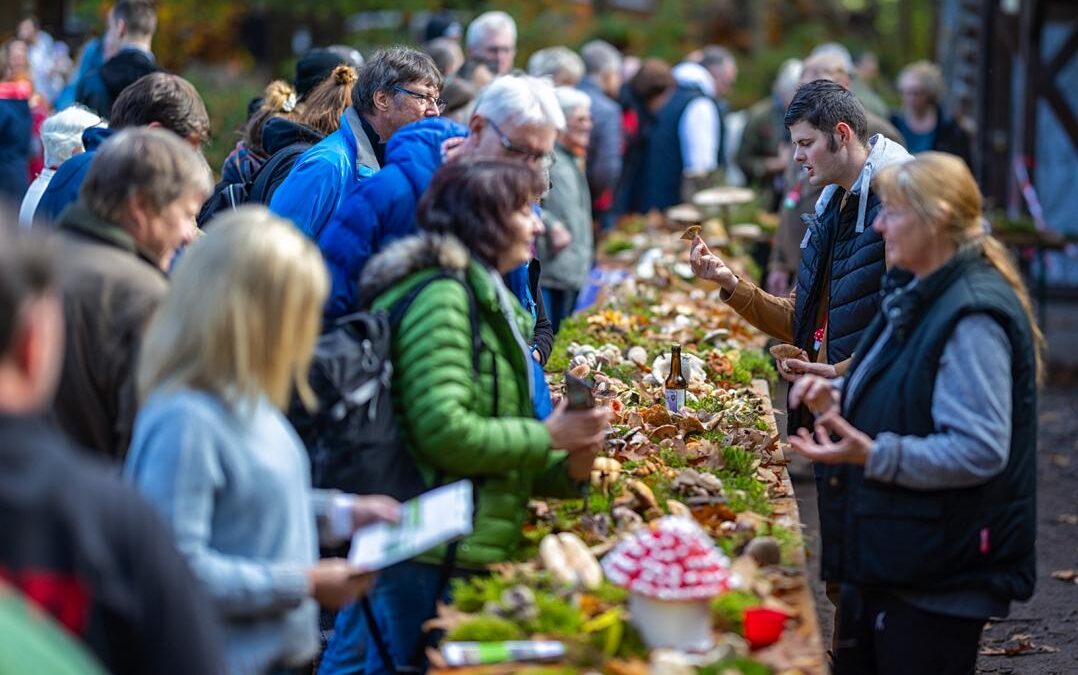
1046,627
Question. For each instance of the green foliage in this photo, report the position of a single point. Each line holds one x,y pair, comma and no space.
790,542
486,628
672,458
738,460
744,493
735,664
557,616
472,594
728,609
615,244
750,364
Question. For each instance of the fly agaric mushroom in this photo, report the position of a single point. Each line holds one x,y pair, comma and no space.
672,570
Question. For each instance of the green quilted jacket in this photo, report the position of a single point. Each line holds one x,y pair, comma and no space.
454,423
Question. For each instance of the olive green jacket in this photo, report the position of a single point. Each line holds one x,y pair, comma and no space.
455,424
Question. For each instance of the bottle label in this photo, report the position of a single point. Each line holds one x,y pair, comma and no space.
675,399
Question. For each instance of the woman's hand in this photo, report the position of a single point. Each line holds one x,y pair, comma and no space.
852,446
334,582
575,430
816,392
707,265
373,509
580,463
792,370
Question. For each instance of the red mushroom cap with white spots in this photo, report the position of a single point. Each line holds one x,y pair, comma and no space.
672,560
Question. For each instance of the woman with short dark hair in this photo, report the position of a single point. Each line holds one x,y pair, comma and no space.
466,412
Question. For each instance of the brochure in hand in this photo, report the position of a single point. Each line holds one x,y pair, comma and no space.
432,518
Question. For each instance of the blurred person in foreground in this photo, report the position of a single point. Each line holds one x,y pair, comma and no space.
214,453
566,249
926,452
77,543
136,208
474,419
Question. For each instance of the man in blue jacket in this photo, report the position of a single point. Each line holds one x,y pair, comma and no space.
397,86
156,100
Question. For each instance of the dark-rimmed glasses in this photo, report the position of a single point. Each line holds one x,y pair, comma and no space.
544,160
438,103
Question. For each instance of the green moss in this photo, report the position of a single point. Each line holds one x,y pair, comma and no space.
790,542
738,460
761,424
486,629
728,610
615,245
735,664
744,493
472,594
557,616
672,458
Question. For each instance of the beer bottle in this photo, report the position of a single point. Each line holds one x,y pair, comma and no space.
675,384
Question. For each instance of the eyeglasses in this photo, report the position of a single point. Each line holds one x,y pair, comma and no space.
438,103
544,160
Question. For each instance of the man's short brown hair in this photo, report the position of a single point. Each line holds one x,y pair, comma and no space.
151,163
139,16
167,99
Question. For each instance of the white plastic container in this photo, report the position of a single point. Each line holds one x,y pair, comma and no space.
684,625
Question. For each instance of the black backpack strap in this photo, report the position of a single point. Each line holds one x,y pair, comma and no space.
271,174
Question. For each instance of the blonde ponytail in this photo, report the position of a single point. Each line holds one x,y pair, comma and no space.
278,100
1000,258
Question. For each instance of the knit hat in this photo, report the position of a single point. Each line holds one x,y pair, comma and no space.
312,68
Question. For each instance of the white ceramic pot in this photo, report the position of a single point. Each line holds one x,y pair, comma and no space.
684,625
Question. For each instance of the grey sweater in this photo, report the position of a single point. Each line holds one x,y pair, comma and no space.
971,413
235,486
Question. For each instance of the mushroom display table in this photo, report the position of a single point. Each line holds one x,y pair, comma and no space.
717,463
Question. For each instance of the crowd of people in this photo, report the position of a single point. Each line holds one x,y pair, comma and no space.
157,331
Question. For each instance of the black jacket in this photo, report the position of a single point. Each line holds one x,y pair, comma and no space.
98,90
87,549
877,534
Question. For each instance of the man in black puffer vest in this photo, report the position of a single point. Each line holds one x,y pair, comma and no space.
842,265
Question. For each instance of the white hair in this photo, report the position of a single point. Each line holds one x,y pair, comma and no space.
571,98
600,57
788,78
520,99
560,64
486,23
61,133
836,49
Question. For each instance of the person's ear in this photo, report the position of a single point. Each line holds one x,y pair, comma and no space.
475,125
845,133
381,100
138,213
121,29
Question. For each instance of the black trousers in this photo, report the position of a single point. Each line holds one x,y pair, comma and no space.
881,634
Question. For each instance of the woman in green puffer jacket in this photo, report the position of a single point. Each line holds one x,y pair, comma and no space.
476,222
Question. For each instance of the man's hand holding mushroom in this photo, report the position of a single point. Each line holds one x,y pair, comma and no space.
707,265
